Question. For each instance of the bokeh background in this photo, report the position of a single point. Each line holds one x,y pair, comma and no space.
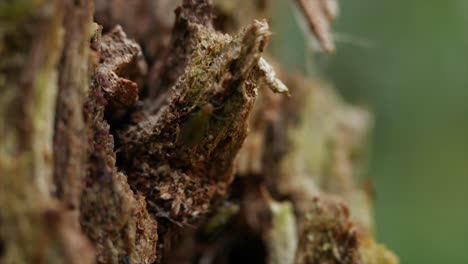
408,61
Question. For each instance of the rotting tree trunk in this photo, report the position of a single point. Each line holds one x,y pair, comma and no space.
173,145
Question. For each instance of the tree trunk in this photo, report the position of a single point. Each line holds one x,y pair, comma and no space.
139,140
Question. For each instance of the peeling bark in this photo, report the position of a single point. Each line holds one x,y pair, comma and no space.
186,149
112,215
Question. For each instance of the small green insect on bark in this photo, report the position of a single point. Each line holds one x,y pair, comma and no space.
198,124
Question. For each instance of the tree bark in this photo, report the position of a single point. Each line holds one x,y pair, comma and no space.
175,143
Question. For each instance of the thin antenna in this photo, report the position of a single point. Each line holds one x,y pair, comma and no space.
353,40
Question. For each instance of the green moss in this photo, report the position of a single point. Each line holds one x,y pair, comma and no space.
282,237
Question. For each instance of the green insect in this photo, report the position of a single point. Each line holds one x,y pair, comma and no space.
195,128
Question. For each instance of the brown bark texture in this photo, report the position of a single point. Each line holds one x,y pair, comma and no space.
157,131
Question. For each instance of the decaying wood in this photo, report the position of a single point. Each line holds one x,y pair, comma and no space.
196,135
112,215
207,157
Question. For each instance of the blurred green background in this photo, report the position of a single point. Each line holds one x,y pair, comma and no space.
412,69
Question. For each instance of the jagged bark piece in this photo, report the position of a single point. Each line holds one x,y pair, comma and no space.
113,217
121,55
33,226
186,150
120,61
